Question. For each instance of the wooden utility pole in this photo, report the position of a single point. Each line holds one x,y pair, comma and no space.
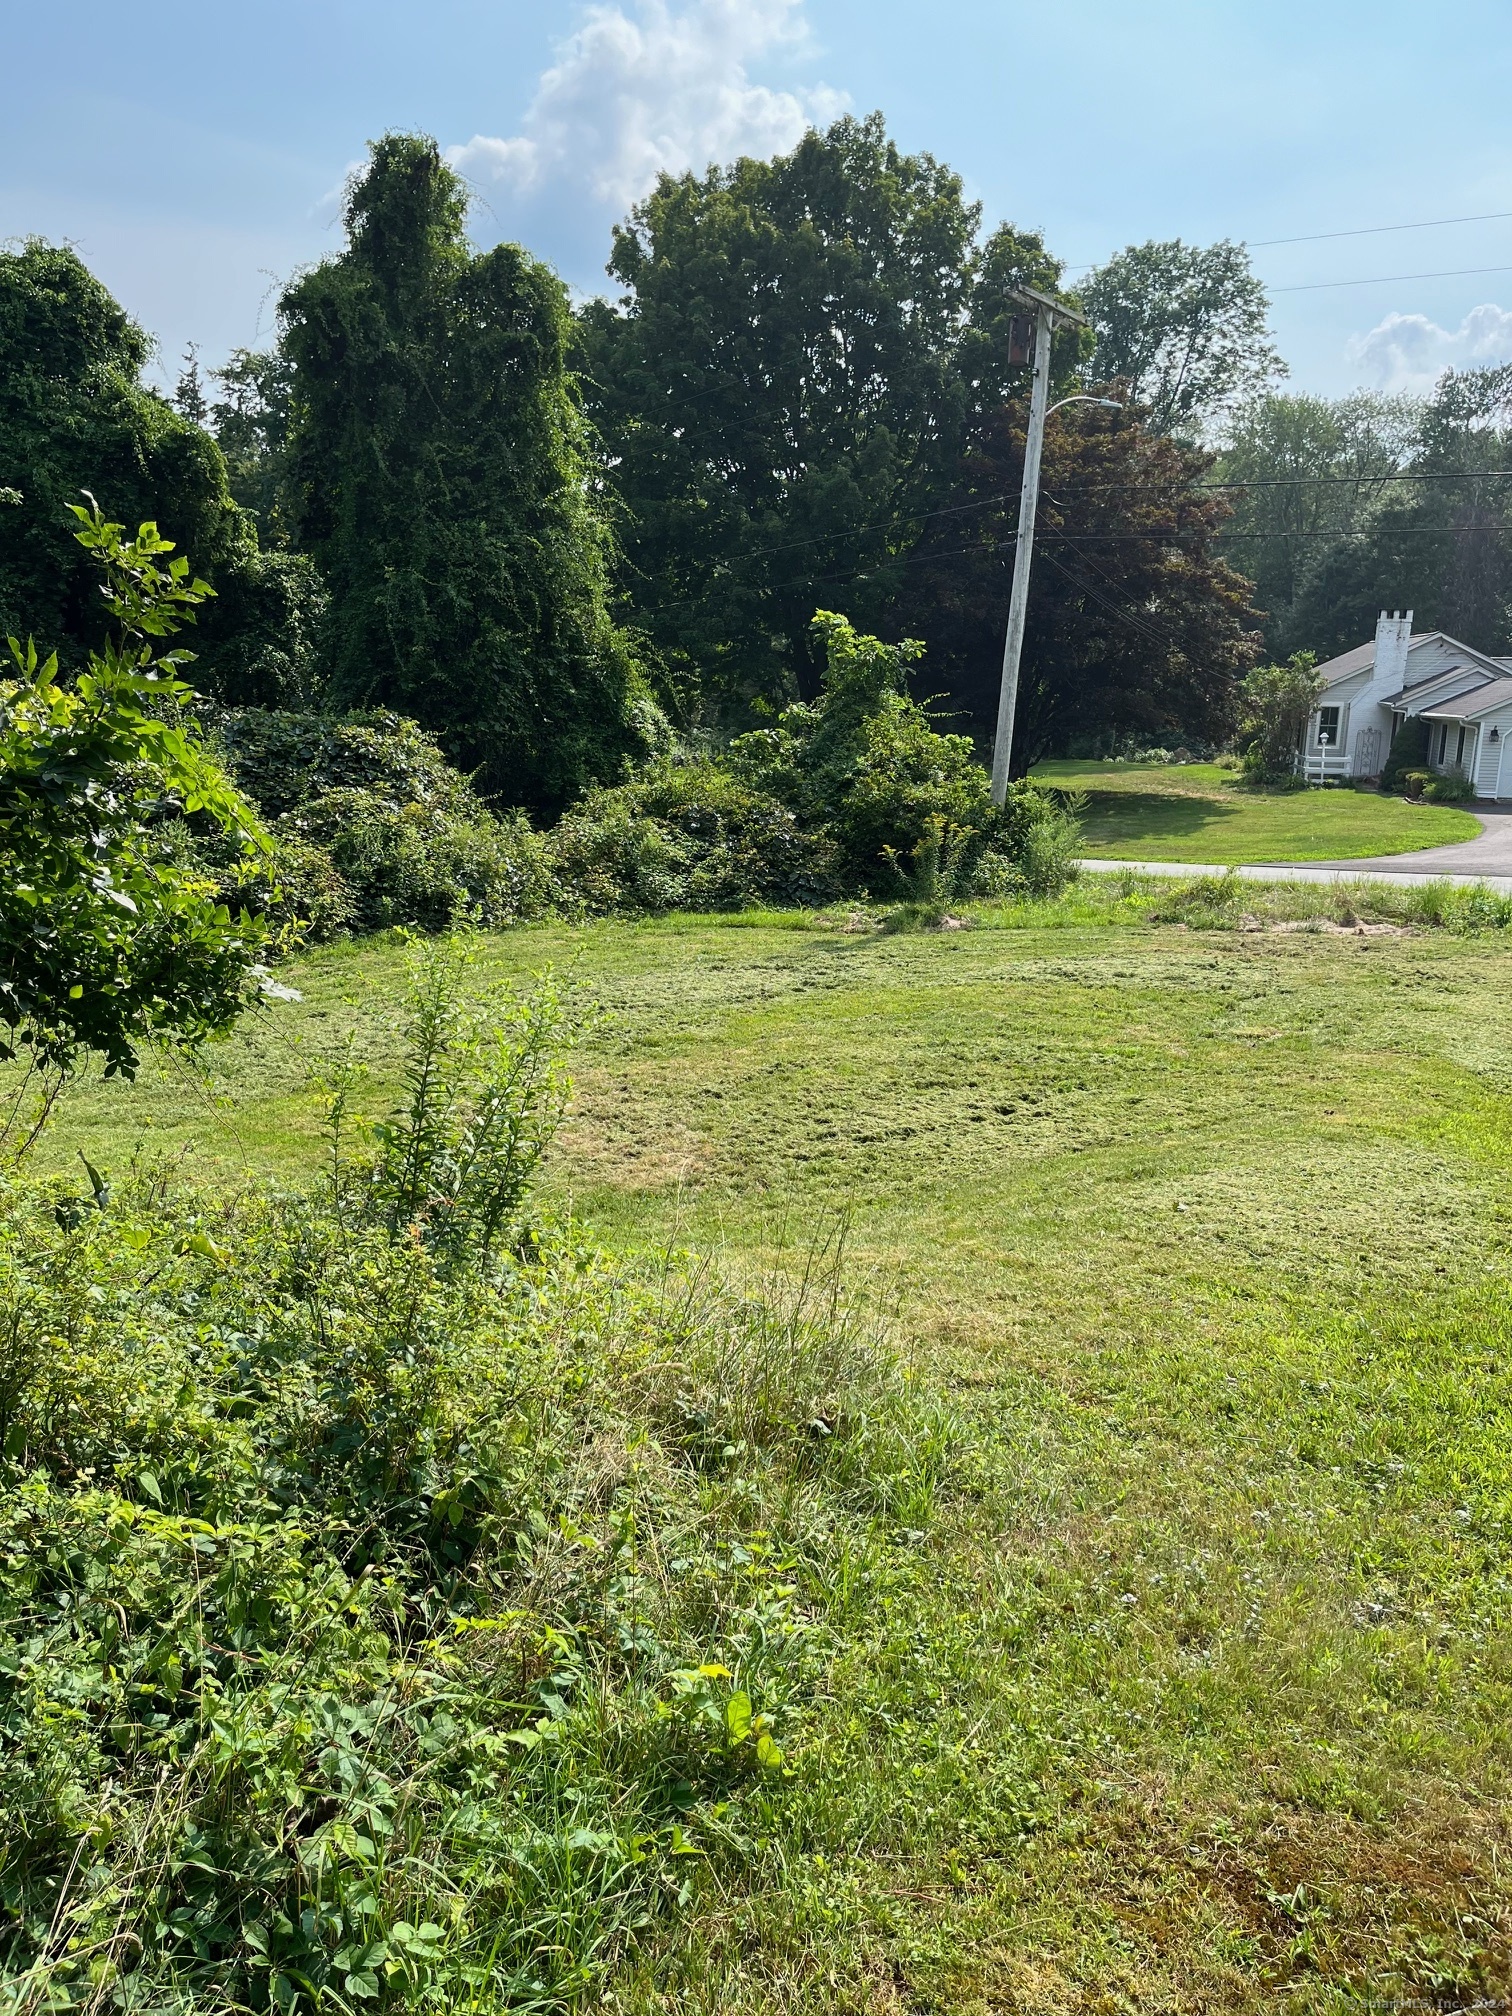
1048,317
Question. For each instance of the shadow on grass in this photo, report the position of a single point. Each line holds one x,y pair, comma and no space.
1131,815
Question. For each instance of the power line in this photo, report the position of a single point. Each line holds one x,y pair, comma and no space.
1374,230
1358,231
1390,279
1075,539
1085,489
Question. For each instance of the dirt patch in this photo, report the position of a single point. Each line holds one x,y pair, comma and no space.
1327,927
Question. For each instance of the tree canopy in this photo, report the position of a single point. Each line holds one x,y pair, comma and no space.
1136,624
1434,540
777,390
438,475
1185,327
74,416
1307,471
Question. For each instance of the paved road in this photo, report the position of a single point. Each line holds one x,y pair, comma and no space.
1486,860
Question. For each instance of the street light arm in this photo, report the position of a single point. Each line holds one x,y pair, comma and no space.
1086,399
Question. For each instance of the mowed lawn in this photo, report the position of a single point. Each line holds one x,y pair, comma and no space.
1201,813
1198,1696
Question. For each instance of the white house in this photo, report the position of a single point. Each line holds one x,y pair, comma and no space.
1464,696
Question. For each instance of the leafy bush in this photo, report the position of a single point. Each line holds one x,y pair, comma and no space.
374,827
376,1629
1450,787
423,865
690,835
108,938
285,760
1275,703
1039,835
863,764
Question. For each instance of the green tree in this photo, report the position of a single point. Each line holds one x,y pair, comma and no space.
107,939
1274,704
250,419
75,416
1136,623
1186,327
1435,542
439,477
1313,470
775,390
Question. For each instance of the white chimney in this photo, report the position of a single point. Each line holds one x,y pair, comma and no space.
1393,639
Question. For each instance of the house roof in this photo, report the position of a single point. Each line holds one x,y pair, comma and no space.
1362,657
1452,675
1468,706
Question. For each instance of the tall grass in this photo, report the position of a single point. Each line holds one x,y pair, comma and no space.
377,1629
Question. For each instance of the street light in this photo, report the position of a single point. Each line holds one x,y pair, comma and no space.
1086,399
1048,315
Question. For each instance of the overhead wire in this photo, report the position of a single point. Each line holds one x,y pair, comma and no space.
1356,231
1387,279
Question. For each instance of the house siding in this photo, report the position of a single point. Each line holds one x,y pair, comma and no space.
1493,779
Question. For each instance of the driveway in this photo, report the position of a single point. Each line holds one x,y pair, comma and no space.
1490,854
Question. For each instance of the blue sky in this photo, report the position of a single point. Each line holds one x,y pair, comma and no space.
193,156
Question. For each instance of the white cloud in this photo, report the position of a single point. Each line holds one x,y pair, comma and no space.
1406,353
633,93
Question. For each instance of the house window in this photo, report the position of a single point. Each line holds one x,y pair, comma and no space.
1443,741
1459,753
1328,727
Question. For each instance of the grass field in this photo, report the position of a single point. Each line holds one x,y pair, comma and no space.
1197,1697
1199,812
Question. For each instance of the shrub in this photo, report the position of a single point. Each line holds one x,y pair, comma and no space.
1275,703
1451,787
485,1092
284,759
688,835
375,828
423,865
108,936
863,764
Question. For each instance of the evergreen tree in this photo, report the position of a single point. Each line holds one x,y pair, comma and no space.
438,474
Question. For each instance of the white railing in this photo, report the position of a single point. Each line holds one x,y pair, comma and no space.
1320,766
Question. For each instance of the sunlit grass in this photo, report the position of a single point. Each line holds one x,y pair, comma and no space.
1200,812
1195,1696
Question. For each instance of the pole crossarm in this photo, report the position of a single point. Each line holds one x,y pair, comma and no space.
1031,297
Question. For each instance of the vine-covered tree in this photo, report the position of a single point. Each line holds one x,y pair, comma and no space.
75,416
1185,327
439,476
